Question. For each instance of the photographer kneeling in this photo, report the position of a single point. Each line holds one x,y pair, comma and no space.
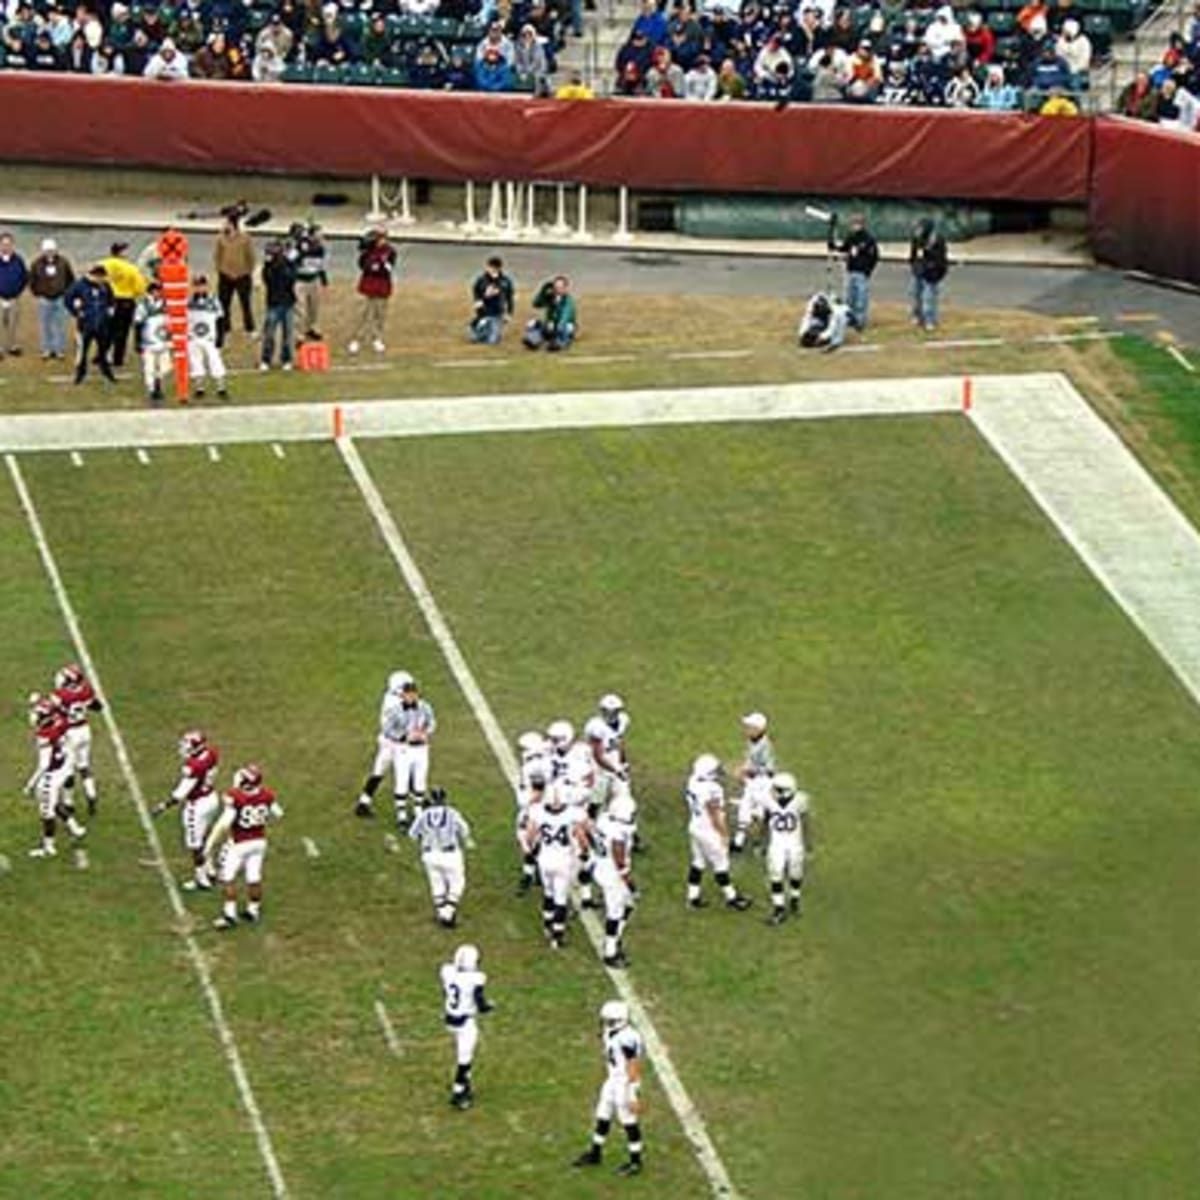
555,328
823,326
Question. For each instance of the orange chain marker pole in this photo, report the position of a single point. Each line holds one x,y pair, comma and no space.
173,275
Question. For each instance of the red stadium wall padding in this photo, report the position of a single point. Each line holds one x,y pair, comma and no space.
644,144
1145,203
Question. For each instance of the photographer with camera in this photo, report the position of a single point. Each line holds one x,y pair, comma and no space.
307,250
493,301
860,251
929,262
376,266
823,325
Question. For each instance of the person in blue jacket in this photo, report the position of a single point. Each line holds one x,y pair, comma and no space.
90,301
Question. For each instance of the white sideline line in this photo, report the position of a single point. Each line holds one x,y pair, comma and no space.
596,359
468,364
310,848
686,355
76,458
1181,358
964,343
686,1111
1100,335
143,457
214,454
199,964
278,450
389,1030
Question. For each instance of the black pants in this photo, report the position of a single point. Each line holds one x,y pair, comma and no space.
227,288
118,329
89,341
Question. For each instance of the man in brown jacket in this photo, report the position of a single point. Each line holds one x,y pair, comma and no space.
233,258
50,275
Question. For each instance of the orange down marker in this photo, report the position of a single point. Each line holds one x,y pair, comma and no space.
967,393
173,275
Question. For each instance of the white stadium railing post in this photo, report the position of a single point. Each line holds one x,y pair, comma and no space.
581,233
470,224
622,234
405,217
560,228
376,215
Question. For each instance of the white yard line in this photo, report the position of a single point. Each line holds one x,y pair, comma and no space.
76,459
389,1030
470,364
278,450
214,454
1099,335
1181,358
229,1047
687,355
143,457
686,1111
964,343
310,847
1108,508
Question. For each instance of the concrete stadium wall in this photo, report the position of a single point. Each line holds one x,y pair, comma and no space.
1125,171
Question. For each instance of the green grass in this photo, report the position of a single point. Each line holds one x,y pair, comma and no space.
990,994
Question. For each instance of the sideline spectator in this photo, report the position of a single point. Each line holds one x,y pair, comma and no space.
651,22
1058,104
279,283
496,40
980,40
700,83
827,75
730,85
492,72
864,75
376,267
50,276
943,32
1075,49
128,285
276,35
529,61
494,299
267,66
664,80
308,252
204,358
14,275
1177,107
90,302
961,90
574,88
218,59
998,94
895,85
1139,99
928,261
861,253
556,327
233,258
1049,71
167,63
154,342
768,60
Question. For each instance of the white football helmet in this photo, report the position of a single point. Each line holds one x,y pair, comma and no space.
623,808
192,742
610,703
532,743
614,1014
398,681
784,785
755,722
466,957
707,766
561,734
69,676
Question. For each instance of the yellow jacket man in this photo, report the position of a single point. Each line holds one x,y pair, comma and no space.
128,285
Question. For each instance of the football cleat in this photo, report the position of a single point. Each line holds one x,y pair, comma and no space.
616,961
50,851
224,922
739,903
632,1167
251,918
461,1101
194,885
93,802
698,902
364,810
589,1158
777,917
794,905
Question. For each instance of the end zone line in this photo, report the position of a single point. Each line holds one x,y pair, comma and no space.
685,1110
199,964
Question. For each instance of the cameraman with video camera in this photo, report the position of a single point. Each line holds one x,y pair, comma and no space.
861,253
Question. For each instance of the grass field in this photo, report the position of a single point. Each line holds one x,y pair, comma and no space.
992,986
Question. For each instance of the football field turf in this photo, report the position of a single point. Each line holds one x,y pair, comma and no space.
990,991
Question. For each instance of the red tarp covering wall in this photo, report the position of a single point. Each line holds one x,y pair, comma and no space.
646,145
1145,203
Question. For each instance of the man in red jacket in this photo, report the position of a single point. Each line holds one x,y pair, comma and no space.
376,266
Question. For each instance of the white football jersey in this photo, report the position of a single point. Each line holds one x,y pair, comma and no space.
607,833
554,829
760,757
700,794
574,765
610,737
155,334
203,314
621,1047
783,820
461,990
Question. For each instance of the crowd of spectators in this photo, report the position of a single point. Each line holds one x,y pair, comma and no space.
1169,94
457,45
870,55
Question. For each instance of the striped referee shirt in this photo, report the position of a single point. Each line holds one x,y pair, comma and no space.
440,827
398,720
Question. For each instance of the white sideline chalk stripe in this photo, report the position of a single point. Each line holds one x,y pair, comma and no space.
199,964
81,859
482,414
143,457
1097,335
685,1110
76,459
389,1030
467,364
1181,358
1107,507
686,355
310,848
595,359
278,450
214,454
964,343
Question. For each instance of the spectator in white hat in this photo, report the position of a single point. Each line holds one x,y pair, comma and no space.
50,275
168,63
943,32
1075,49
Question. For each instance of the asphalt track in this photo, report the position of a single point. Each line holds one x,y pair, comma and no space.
1114,299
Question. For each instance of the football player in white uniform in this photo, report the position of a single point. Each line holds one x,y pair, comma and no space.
204,355
708,833
52,774
572,769
406,723
612,842
557,831
789,834
531,786
154,337
443,835
605,733
620,1093
755,773
196,795
462,991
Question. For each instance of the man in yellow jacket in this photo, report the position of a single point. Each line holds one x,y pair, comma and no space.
128,286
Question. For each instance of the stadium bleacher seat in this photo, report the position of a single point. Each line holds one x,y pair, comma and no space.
326,73
1002,24
297,73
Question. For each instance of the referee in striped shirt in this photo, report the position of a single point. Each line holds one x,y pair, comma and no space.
442,834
